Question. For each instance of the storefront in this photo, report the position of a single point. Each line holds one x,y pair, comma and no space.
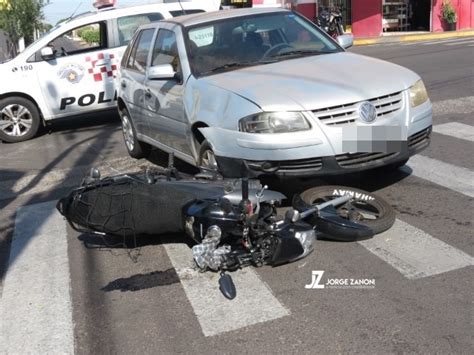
373,18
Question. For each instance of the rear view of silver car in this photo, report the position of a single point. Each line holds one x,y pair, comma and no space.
269,88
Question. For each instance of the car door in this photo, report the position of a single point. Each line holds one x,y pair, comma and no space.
133,78
80,77
164,106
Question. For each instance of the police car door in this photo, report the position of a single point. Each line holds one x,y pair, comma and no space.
80,77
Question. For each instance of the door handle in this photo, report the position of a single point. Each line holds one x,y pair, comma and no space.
123,84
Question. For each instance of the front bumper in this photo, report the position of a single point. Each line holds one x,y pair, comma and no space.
328,165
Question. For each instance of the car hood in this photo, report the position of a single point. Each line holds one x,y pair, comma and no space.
315,82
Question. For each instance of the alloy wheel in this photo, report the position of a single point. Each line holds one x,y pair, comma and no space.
128,134
15,120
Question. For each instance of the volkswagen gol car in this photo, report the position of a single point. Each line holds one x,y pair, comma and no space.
269,88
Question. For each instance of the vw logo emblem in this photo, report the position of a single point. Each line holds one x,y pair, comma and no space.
367,112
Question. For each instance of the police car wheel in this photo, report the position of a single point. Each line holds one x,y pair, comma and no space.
19,119
135,148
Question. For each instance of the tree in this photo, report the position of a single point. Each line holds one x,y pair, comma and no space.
21,18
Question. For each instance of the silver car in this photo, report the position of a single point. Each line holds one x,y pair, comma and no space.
268,88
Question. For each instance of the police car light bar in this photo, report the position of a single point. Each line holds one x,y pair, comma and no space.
101,4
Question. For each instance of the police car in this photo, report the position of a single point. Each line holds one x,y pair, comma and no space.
71,69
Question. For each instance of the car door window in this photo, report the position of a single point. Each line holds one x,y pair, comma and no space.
128,25
165,50
139,54
82,39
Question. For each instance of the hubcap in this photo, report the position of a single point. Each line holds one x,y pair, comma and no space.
209,160
15,120
128,133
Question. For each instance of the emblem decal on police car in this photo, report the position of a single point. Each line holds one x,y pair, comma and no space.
72,73
102,66
367,112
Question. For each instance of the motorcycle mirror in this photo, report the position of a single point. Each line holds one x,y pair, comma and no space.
227,287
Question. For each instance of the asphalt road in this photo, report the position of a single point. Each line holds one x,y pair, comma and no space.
113,300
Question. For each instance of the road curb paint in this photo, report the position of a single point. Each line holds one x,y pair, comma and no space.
412,38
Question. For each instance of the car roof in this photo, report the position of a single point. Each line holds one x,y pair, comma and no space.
112,12
196,19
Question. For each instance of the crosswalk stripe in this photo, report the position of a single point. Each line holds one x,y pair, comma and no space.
35,308
414,253
254,303
459,179
38,183
460,43
462,105
456,130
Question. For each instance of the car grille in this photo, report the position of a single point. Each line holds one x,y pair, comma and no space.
301,164
419,138
346,114
357,160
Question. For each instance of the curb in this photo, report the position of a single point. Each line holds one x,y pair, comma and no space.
412,38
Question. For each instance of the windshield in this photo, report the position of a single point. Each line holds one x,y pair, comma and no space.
40,37
253,40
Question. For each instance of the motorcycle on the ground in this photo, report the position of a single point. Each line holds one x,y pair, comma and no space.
234,223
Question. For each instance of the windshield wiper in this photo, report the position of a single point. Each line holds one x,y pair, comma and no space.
231,65
300,52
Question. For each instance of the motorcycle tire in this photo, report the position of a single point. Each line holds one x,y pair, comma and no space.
365,208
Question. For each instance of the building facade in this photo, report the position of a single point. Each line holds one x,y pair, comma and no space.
372,18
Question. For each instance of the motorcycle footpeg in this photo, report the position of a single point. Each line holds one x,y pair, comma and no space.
227,287
334,227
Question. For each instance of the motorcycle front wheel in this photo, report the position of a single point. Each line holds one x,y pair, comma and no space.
365,208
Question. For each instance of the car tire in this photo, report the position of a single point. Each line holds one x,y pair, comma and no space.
19,119
136,149
207,158
367,201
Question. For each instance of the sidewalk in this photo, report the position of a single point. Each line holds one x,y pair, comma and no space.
413,37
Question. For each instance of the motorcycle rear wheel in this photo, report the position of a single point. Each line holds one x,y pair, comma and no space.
365,208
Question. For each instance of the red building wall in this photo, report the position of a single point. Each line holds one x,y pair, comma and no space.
464,9
367,18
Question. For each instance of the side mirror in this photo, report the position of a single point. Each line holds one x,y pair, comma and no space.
161,72
345,41
47,53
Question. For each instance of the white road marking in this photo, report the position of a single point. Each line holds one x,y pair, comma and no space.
444,174
35,308
456,130
445,41
38,183
254,303
460,43
414,253
462,105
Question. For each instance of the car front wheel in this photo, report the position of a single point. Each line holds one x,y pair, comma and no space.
207,158
19,119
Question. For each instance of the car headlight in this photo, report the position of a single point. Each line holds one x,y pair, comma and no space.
418,94
274,122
